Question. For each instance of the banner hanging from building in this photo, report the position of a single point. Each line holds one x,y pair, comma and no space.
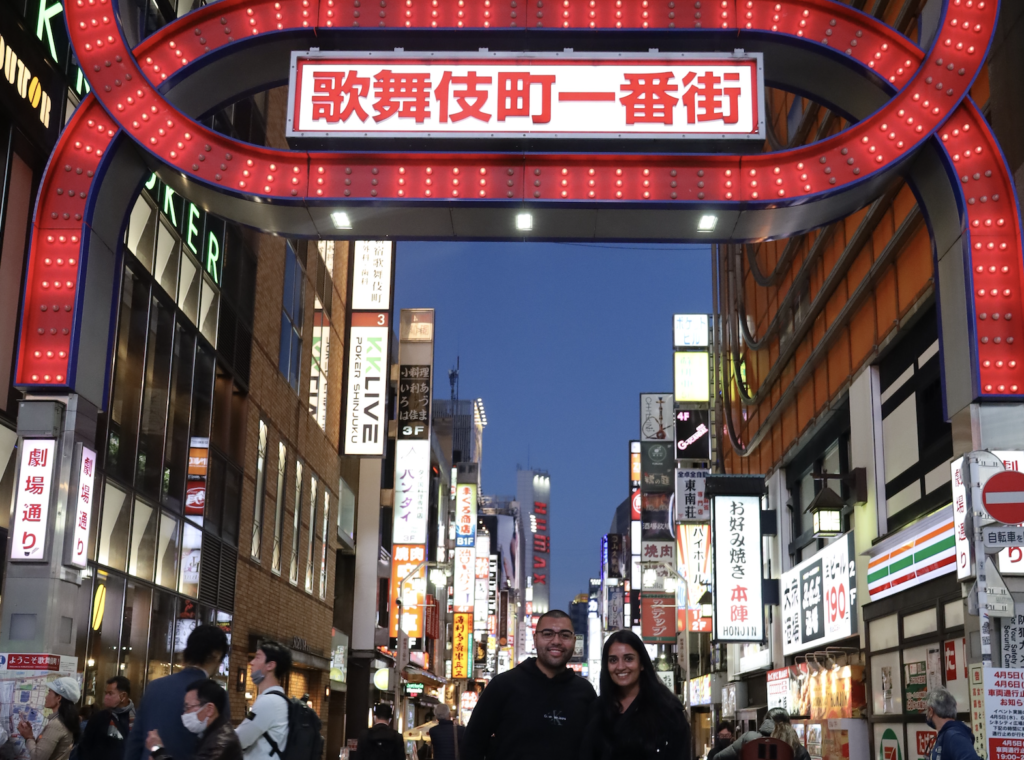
465,515
692,503
656,464
819,598
30,532
372,266
82,515
412,491
658,618
656,416
408,570
462,645
693,549
555,95
464,581
736,537
693,434
366,398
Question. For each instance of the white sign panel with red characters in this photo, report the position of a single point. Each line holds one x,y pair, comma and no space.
1011,560
32,501
736,538
819,598
83,509
503,95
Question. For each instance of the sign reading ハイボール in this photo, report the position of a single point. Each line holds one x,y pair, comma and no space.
503,95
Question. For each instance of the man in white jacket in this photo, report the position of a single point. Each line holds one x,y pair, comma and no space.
264,732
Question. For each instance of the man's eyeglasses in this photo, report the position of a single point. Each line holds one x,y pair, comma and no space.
547,634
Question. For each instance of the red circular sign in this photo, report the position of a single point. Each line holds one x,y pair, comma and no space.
1003,497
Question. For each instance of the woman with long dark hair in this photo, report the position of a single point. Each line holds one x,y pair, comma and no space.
636,717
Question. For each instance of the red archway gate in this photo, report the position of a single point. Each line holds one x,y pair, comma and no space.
911,110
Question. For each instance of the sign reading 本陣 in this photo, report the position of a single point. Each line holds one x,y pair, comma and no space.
503,95
736,537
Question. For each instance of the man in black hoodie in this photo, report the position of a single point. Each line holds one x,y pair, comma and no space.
538,710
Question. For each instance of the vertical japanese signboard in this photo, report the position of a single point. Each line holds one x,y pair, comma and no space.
366,371
412,481
964,544
655,416
736,537
465,515
692,503
32,500
694,552
464,580
408,586
82,515
819,598
367,381
634,465
462,645
690,330
656,464
658,618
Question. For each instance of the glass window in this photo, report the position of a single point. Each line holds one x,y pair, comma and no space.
161,636
154,398
232,502
346,511
922,666
312,534
318,364
214,496
323,546
282,461
261,482
954,613
166,266
188,289
919,623
144,529
191,549
176,449
105,639
884,632
167,552
113,545
291,318
202,397
886,684
293,571
134,635
189,616
142,231
208,310
126,397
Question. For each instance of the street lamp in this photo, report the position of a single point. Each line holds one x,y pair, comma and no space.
826,507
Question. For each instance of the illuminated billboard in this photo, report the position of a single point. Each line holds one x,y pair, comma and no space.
692,385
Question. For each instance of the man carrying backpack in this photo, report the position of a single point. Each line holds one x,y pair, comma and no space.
381,742
264,732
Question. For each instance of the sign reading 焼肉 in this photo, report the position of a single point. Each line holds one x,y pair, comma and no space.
736,537
819,598
503,95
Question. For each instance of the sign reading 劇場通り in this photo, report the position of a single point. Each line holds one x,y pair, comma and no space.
555,95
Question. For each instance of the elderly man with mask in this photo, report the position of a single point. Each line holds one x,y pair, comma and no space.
203,714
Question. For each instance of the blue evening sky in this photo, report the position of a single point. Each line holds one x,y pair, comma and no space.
559,340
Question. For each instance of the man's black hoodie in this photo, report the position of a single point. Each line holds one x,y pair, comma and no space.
524,715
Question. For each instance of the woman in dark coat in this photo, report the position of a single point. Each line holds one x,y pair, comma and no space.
636,717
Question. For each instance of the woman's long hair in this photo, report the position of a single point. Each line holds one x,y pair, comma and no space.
785,732
659,703
67,711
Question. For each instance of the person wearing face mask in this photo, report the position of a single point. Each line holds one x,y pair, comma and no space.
62,728
203,715
104,736
954,740
536,711
158,710
264,732
723,738
636,717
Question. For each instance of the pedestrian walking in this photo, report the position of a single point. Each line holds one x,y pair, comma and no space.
160,708
62,730
104,735
264,732
954,740
446,736
636,717
380,741
723,738
204,715
539,709
775,715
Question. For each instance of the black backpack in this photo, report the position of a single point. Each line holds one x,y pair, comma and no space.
380,744
304,739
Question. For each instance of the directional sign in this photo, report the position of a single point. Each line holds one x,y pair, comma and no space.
1003,496
998,537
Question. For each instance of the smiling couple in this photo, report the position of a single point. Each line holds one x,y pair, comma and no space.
541,710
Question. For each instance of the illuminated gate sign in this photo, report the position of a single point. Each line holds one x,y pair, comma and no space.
32,501
495,95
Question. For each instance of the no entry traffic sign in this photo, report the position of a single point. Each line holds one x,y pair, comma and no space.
1003,497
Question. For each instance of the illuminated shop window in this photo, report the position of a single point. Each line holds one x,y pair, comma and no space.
261,483
291,318
282,461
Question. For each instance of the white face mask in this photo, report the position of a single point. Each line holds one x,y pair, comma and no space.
192,722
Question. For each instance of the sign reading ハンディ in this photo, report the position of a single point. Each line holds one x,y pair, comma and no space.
504,95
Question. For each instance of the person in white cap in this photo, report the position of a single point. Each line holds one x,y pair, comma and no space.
63,728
